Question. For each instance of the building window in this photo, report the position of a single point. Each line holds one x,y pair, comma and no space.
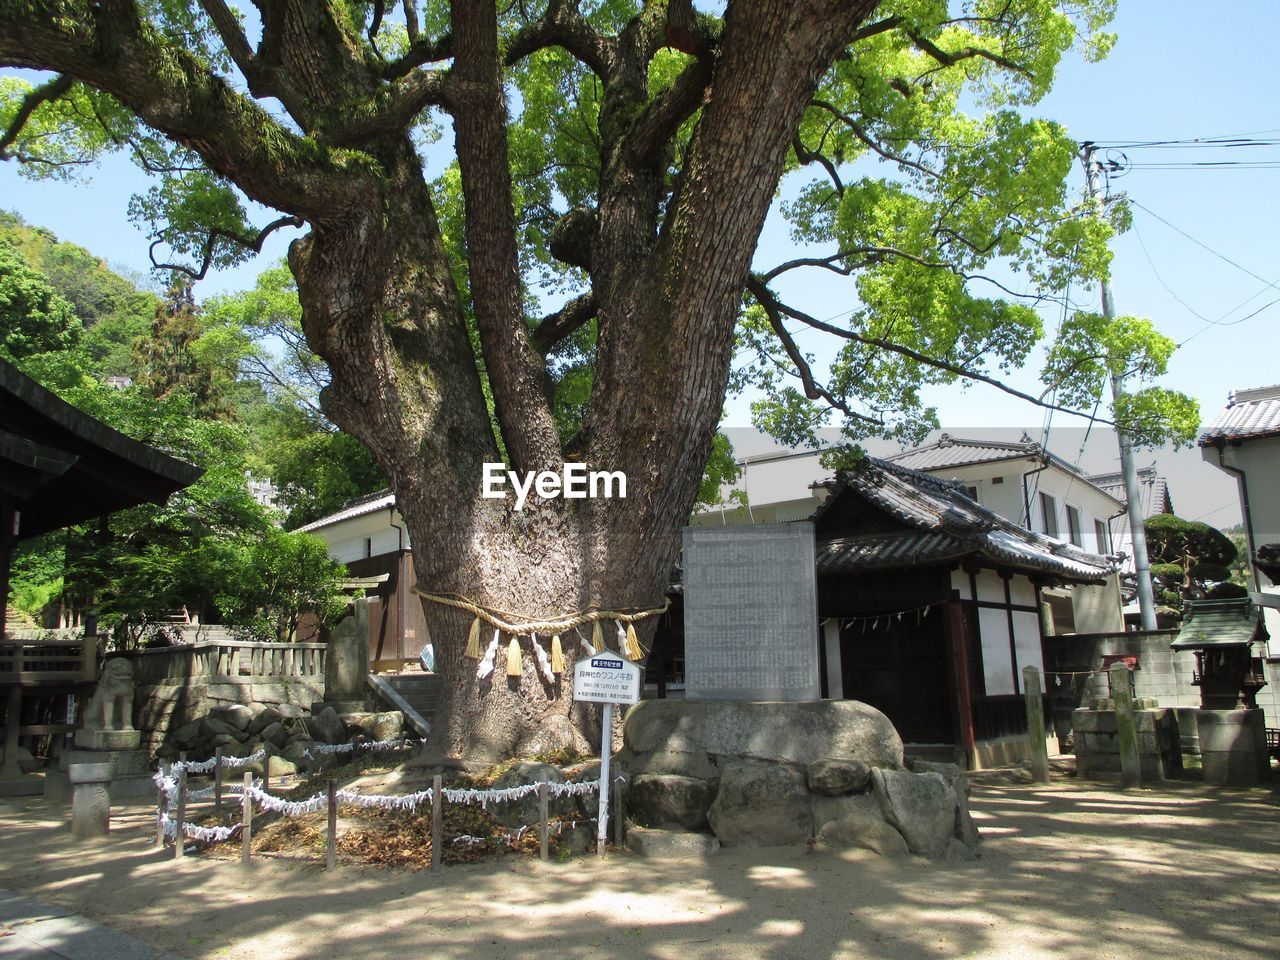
1049,514
973,493
368,547
1073,526
1100,531
996,481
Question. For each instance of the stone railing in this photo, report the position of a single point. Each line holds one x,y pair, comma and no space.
228,658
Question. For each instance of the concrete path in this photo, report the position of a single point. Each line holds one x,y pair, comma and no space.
37,931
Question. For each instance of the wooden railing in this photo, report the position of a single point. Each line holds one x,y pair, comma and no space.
48,659
228,658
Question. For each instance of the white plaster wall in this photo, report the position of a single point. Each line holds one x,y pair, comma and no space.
1260,459
997,668
991,588
346,539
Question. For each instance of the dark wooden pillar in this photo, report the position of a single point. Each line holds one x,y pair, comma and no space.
958,667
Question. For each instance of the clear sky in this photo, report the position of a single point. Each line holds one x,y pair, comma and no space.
1178,71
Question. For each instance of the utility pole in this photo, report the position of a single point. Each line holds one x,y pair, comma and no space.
1142,566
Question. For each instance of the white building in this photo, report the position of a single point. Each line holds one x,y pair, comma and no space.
1244,441
1038,490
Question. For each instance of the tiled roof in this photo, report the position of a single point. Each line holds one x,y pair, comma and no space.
949,451
946,524
1219,623
1155,495
358,507
1249,414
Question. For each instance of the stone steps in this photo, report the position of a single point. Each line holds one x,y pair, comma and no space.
414,695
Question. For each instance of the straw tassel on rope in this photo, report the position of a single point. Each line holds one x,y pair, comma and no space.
513,658
557,655
473,640
633,651
597,637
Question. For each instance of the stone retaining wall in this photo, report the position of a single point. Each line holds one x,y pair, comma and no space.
161,708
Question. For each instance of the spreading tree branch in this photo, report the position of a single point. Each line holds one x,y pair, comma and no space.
253,243
564,26
517,374
108,47
760,291
45,93
555,327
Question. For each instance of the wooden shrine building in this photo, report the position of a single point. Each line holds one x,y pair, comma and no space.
931,606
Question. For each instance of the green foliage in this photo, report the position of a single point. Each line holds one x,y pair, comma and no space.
722,471
34,317
211,549
1090,350
1188,554
284,576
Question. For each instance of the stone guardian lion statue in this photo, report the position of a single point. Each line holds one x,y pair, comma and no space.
111,706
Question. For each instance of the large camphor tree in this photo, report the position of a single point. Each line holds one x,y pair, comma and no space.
615,159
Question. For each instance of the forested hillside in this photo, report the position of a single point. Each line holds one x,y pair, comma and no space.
226,385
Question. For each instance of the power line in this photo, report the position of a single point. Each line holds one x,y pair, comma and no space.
1200,243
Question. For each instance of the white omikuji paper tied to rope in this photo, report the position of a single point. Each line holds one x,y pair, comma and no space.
544,665
195,832
204,766
319,749
490,657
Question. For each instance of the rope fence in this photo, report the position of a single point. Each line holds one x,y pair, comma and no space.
254,798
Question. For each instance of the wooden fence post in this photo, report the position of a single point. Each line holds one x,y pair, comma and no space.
217,778
437,821
179,839
543,841
1035,725
1126,726
331,848
266,768
246,819
162,803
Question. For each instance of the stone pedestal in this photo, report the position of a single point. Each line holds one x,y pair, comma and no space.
91,799
130,777
108,739
1098,752
1233,747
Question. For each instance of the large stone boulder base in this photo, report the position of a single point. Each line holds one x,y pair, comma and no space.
697,738
855,820
761,804
669,801
921,805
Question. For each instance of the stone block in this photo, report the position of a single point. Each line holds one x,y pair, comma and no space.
921,805
108,739
669,801
236,715
833,778
656,844
855,820
90,799
761,804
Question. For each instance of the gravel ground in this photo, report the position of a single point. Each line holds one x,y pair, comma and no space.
1067,871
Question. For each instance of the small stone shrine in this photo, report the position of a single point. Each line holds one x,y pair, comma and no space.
751,613
1232,731
106,740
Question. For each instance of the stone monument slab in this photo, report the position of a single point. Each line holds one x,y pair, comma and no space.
751,613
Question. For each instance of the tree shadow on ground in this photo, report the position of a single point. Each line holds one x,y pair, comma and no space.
1066,870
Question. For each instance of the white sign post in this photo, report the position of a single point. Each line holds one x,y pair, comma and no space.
605,678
